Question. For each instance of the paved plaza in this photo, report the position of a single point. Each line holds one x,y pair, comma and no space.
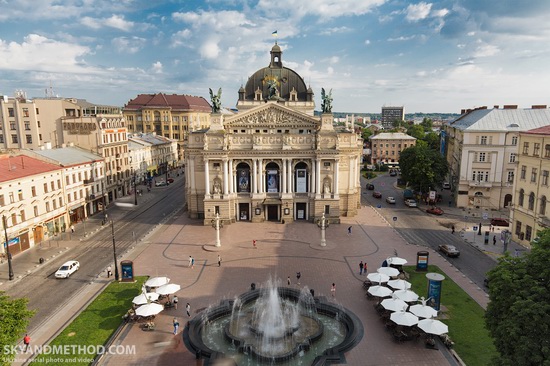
282,250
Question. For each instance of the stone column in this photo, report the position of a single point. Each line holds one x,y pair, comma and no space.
290,176
192,184
351,175
318,176
336,166
261,187
312,176
283,177
225,177
254,176
206,178
231,177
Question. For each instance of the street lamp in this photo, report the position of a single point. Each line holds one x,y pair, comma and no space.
10,268
323,223
114,249
217,224
135,189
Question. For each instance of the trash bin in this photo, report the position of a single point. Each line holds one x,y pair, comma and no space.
41,260
422,258
252,286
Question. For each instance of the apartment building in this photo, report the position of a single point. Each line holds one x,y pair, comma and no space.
481,147
32,202
19,126
386,147
531,189
390,115
159,154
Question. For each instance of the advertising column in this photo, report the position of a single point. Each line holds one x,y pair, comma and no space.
435,281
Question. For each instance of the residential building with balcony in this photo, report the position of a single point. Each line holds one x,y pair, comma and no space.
481,147
19,126
159,154
386,147
531,208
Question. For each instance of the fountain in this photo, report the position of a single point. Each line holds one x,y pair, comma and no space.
274,325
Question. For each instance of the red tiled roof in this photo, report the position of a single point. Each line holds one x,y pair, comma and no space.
174,101
16,167
544,130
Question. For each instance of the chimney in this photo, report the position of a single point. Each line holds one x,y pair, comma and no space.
510,106
462,111
538,106
495,106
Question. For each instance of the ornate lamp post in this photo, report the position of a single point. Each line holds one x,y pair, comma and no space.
323,223
217,224
10,268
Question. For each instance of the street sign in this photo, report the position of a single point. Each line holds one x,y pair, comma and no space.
395,218
485,216
474,228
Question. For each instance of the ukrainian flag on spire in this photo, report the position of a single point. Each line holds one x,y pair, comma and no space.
274,34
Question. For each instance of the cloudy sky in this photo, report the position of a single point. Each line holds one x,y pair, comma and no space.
437,56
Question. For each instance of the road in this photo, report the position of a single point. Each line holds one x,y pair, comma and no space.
418,227
46,294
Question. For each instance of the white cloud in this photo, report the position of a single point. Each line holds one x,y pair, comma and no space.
402,38
439,13
157,68
128,44
334,59
367,42
179,38
210,49
416,12
486,51
330,70
334,30
115,21
321,8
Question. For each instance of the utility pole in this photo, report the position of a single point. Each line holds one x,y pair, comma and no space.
10,268
114,249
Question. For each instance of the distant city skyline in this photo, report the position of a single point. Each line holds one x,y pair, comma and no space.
432,57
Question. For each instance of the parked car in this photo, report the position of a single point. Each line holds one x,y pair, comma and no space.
67,269
160,183
446,185
449,250
435,211
499,222
170,180
410,202
377,194
393,173
390,200
370,186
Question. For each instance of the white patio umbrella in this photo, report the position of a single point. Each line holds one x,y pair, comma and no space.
433,326
379,291
394,304
423,311
399,284
157,281
389,271
168,289
145,298
406,295
404,318
149,309
396,261
378,277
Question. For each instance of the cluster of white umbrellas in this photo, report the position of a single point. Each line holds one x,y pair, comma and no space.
147,300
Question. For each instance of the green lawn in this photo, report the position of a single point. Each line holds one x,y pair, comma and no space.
464,317
95,325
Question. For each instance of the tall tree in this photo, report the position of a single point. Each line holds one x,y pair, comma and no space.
518,315
427,124
416,131
14,318
422,167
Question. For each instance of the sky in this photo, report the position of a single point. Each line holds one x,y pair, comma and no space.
438,56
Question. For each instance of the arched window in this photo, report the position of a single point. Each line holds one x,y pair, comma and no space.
542,209
243,178
521,197
300,178
531,201
272,178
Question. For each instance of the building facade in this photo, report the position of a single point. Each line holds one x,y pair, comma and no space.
482,151
386,147
273,161
19,127
531,189
391,114
152,155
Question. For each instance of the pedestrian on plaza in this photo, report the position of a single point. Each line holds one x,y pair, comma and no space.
109,271
493,228
494,240
453,229
190,261
288,281
450,203
188,309
361,267
254,243
72,228
333,290
349,230
27,341
298,275
365,268
516,253
175,302
176,325
219,261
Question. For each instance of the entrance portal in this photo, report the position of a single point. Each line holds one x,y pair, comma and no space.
272,213
244,214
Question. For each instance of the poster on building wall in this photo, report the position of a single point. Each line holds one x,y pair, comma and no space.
272,184
301,180
244,180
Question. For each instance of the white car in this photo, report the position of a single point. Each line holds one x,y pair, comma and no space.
390,200
67,269
410,203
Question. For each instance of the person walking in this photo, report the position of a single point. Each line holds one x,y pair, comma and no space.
298,275
365,268
176,325
190,261
494,240
254,243
72,228
333,289
27,341
452,229
288,281
188,309
361,265
109,271
219,260
349,230
175,302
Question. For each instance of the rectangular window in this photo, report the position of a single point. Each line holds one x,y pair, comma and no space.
35,211
60,201
25,112
512,158
518,228
27,126
20,193
59,184
22,214
12,199
523,172
47,207
52,184
481,157
33,191
12,126
514,140
536,149
2,203
544,178
483,140
11,112
54,204
528,232
327,209
14,139
534,175
45,187
1,138
510,177
29,139
547,151
525,148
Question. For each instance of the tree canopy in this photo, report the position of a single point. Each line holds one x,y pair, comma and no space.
14,318
518,316
422,167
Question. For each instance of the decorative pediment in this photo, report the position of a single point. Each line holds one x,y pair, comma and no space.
271,115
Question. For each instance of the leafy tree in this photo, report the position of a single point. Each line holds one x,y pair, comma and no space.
427,124
416,131
396,123
366,133
14,318
432,139
518,315
422,167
